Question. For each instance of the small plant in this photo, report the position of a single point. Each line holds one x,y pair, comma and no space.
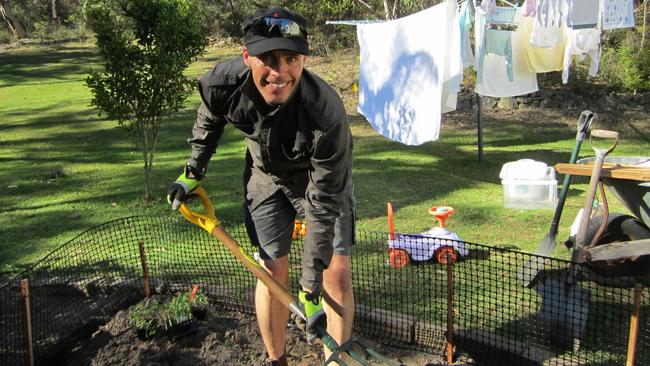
178,318
198,302
177,311
144,318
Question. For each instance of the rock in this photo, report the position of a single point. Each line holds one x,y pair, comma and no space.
507,103
489,102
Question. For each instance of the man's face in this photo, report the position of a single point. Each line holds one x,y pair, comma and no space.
276,74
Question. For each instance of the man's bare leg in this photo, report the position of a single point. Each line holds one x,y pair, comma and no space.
339,299
272,315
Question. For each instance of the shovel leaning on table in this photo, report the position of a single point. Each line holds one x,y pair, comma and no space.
531,268
209,222
601,149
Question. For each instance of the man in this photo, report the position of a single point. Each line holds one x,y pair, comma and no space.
298,163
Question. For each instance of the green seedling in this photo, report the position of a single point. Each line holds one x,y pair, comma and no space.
198,300
177,311
144,318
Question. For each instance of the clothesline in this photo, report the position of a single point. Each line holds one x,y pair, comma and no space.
406,81
354,22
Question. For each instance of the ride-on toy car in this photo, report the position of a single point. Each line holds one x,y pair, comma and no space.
438,242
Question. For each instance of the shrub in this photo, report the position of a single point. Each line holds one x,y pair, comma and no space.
146,46
625,63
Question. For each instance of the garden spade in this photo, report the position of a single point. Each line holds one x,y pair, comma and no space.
601,149
531,267
209,222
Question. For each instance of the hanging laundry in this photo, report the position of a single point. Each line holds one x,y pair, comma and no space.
466,20
502,76
529,9
453,62
403,72
541,59
582,13
582,42
617,14
488,6
548,28
497,40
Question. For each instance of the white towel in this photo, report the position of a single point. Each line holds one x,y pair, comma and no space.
403,69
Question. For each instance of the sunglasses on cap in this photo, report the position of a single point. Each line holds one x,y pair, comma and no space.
276,27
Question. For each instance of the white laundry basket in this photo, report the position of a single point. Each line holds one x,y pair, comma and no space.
528,184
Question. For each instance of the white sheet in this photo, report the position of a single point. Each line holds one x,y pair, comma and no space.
403,71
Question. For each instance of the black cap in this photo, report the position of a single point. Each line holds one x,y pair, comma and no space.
258,41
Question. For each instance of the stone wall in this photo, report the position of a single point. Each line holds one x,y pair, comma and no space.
596,100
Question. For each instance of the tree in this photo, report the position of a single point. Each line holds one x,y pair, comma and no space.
55,17
146,45
12,23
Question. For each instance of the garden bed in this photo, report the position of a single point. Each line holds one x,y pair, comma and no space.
225,337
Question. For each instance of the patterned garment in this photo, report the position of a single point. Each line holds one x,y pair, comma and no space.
617,14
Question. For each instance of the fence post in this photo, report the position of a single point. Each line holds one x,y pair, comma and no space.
634,326
145,271
450,309
27,322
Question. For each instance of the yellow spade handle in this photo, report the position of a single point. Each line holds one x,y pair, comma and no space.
210,223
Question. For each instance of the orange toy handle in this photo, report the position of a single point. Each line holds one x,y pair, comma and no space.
441,213
391,224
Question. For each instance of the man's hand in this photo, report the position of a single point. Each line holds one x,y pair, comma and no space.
181,188
312,307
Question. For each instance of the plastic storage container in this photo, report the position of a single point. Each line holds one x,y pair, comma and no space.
528,184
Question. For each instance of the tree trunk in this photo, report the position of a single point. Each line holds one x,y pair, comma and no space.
14,25
55,16
387,9
645,13
148,134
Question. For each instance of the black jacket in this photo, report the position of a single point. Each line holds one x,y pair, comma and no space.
303,147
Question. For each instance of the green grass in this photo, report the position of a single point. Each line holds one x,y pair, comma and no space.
66,169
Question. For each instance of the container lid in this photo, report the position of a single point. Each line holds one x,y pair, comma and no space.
525,169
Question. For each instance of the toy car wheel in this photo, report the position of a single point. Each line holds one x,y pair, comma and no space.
398,258
442,252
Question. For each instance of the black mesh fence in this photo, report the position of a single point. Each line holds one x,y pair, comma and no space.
565,317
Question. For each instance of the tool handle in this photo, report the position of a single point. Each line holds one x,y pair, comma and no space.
584,126
584,122
601,153
210,223
605,134
260,273
207,221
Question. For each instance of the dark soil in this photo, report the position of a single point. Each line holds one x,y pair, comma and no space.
223,338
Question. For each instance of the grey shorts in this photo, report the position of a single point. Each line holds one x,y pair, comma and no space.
270,226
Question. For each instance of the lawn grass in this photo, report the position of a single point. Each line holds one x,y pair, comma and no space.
66,169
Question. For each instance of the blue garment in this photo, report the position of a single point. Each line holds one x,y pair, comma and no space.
466,20
497,41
